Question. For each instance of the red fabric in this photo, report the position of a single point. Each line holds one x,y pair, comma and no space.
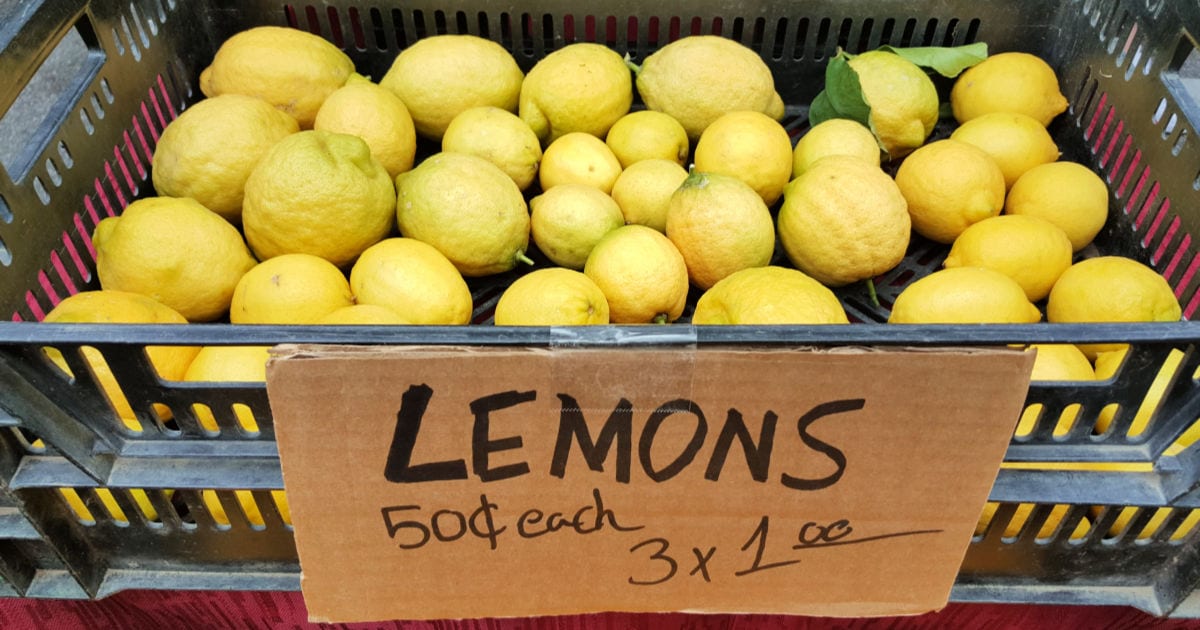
275,611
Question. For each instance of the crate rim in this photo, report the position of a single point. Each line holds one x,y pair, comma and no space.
781,336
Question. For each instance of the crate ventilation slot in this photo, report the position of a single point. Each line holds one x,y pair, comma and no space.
1134,186
124,175
530,35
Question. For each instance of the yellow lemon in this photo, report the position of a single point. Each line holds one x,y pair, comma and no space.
1056,362
363,315
1008,82
1024,510
720,225
838,136
1032,251
964,295
1109,362
844,220
579,158
647,135
499,137
290,289
414,280
1111,289
769,295
291,69
1067,194
209,150
552,297
1015,141
441,76
175,251
644,189
642,275
468,209
229,364
751,147
1061,362
699,78
248,505
903,100
119,307
581,87
568,220
361,108
950,185
318,169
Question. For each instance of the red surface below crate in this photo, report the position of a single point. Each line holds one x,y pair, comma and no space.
254,610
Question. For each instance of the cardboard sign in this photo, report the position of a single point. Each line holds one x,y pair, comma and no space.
431,482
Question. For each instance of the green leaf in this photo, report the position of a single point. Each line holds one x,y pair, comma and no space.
948,61
845,92
821,110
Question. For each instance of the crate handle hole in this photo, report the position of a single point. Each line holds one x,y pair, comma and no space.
1182,77
47,99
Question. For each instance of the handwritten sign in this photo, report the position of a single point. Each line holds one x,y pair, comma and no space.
477,482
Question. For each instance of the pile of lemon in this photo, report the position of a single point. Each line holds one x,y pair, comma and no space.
293,194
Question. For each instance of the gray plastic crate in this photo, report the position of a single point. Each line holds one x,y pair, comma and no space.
123,70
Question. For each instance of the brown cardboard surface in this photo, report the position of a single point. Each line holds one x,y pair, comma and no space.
862,499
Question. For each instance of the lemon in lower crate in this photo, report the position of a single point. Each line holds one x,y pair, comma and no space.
375,114
648,135
644,189
964,295
210,149
1109,362
174,250
902,98
291,69
579,158
1015,141
1017,521
582,87
769,295
552,297
1056,362
1111,289
466,208
838,136
363,315
642,275
1008,82
950,185
228,364
568,220
1032,251
118,307
332,172
414,280
441,76
290,289
499,137
750,146
844,220
720,225
249,506
699,78
1067,194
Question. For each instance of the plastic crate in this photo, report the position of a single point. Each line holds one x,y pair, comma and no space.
131,67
